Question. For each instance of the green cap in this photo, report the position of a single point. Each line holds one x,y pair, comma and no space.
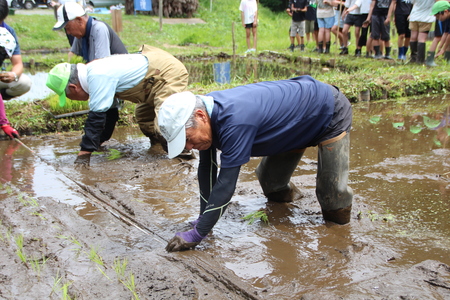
439,6
57,81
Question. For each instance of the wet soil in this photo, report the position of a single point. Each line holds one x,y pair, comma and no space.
100,233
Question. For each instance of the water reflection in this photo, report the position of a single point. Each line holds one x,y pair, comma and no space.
400,173
202,71
38,88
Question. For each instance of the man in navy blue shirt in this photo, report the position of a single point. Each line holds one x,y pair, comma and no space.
273,119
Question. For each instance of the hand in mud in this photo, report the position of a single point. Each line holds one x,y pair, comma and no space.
83,159
184,241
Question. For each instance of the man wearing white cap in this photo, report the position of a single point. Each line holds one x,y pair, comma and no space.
12,83
273,119
93,39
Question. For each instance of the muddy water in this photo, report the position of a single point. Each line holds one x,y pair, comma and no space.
400,174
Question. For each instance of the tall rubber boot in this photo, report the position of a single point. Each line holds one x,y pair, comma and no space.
274,174
400,53
430,59
320,47
327,47
447,56
421,53
388,53
405,50
332,190
378,54
413,57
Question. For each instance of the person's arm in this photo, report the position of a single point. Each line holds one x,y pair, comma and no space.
389,15
369,16
4,123
217,203
16,71
255,20
445,42
243,18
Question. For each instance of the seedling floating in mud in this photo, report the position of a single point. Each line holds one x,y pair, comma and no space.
259,214
113,154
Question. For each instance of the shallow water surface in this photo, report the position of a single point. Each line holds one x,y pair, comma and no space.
399,171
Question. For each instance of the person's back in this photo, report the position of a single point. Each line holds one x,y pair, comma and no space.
100,33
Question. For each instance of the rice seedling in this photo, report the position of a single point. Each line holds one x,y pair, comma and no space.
72,240
59,286
95,257
259,214
114,154
19,242
35,213
120,267
38,264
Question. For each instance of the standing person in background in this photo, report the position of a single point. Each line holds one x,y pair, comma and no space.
352,16
338,23
363,40
311,27
380,18
325,20
402,9
12,83
93,39
249,17
420,23
298,9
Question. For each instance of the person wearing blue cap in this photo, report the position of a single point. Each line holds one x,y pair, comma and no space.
277,120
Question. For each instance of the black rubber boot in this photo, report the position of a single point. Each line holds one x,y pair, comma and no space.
327,47
320,47
332,190
388,53
413,57
421,53
447,56
378,54
274,173
430,59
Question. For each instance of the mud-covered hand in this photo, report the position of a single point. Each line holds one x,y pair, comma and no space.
83,159
11,132
184,240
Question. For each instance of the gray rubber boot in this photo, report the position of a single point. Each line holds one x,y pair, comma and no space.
274,174
334,195
430,59
421,53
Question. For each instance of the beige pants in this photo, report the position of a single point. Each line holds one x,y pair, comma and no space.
166,75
